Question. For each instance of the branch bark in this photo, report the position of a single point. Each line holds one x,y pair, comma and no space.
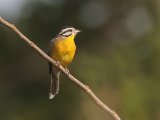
85,88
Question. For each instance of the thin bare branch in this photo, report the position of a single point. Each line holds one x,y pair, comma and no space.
85,88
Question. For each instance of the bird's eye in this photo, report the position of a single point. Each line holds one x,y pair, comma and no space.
67,33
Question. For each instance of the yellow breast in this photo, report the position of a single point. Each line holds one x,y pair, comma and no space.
63,50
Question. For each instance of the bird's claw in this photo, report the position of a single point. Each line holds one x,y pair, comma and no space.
58,63
67,70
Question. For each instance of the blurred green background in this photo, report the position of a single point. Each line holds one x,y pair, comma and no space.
118,56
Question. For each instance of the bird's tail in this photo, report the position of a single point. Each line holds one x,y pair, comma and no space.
54,87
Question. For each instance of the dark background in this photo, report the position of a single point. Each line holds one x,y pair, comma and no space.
118,56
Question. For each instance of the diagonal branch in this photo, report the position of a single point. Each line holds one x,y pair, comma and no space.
85,88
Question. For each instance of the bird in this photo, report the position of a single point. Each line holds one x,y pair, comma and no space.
61,49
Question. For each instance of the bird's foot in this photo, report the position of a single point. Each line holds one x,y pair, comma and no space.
67,70
58,63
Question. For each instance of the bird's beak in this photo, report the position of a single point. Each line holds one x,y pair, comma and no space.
77,31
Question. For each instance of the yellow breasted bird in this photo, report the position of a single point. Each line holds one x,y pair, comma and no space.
62,50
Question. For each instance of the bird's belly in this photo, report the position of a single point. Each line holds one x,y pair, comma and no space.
66,59
64,54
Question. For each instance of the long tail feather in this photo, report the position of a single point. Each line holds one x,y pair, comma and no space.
54,87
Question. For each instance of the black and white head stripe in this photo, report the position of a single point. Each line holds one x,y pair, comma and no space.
67,31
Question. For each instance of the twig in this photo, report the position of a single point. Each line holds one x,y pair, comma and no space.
85,88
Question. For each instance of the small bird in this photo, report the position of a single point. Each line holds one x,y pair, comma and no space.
62,49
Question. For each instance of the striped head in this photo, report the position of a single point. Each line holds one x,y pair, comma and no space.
68,31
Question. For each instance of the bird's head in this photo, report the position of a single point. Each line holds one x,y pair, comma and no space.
68,31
